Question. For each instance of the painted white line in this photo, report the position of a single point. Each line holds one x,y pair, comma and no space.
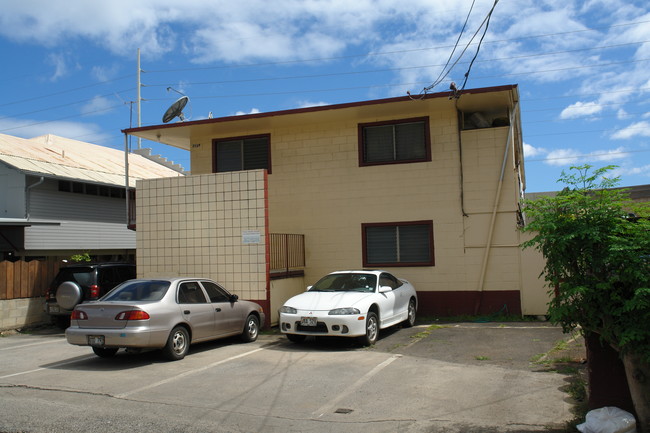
46,368
33,344
187,373
365,378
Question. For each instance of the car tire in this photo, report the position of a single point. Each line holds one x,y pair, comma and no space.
105,352
296,338
410,319
251,329
372,330
68,294
178,344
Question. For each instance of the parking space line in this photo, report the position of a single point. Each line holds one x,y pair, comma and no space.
33,344
45,368
365,378
187,373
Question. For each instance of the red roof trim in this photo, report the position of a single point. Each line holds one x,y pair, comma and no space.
320,108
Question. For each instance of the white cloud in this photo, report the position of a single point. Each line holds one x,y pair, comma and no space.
530,151
638,129
307,104
252,111
98,105
562,157
580,109
29,128
622,114
103,73
60,66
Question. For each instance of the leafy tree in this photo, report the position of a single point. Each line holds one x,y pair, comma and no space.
597,249
82,257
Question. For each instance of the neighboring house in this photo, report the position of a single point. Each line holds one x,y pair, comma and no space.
60,197
428,188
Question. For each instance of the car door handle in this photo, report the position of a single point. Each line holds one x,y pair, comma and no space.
186,311
217,309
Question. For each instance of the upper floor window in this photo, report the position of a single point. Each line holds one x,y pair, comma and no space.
242,153
392,142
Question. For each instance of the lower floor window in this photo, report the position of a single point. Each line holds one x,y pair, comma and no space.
398,244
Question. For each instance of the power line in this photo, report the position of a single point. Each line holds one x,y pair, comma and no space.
61,92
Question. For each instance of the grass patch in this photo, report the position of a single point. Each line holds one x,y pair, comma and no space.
427,332
481,358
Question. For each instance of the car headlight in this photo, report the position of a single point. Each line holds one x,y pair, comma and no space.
288,310
344,311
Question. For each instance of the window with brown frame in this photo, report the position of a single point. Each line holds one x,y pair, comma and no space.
394,142
241,153
398,244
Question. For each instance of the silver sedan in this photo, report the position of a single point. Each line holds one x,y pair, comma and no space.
167,314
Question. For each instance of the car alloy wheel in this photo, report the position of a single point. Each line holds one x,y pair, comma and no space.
372,330
178,344
251,329
410,320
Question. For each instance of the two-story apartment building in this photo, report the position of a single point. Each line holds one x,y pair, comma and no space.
428,188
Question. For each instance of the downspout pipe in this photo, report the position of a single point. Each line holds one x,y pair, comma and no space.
28,198
497,198
126,174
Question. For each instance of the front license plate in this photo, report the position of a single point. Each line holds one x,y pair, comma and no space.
96,340
308,321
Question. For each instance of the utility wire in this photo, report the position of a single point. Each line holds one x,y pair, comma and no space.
478,48
460,35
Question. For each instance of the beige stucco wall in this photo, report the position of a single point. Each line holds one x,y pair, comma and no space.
281,290
193,226
318,189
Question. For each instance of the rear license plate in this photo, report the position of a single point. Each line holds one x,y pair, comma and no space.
54,309
96,340
308,321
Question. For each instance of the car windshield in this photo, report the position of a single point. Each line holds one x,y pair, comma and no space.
346,283
151,290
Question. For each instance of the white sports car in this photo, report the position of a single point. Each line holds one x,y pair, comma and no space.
349,304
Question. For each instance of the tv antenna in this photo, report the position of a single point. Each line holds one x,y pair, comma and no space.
176,109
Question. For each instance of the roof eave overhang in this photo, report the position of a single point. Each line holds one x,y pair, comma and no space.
179,134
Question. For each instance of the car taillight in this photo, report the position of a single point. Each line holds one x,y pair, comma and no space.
78,315
133,315
94,291
48,295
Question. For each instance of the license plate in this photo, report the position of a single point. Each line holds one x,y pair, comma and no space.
54,309
308,321
96,340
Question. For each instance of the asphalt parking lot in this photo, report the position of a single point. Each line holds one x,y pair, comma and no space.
435,377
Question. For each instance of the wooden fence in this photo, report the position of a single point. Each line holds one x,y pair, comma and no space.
26,279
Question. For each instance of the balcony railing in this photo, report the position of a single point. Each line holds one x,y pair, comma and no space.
287,255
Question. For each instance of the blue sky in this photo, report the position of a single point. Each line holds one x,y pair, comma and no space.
583,67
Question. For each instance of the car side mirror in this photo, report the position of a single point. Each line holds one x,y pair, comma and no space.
385,289
308,288
233,298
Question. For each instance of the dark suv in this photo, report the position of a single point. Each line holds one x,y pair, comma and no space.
83,282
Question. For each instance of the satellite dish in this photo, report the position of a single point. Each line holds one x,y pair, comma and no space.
176,110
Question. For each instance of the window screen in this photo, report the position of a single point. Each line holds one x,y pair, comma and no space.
249,153
398,244
403,141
